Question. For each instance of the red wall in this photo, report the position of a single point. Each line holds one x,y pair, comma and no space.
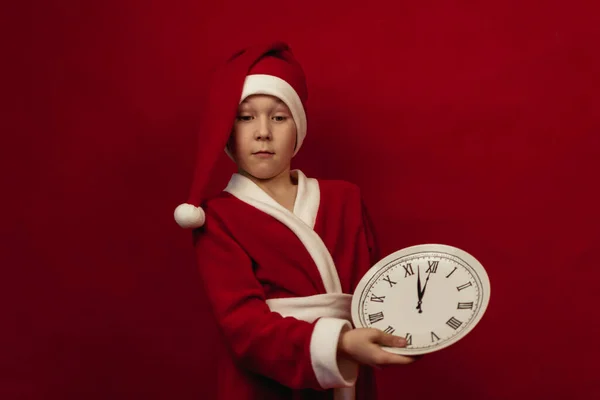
475,124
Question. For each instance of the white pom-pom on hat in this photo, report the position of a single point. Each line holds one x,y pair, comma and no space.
189,216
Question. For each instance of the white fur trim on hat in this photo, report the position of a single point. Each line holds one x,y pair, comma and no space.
275,86
189,216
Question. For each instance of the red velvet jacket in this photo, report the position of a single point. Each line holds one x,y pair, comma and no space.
252,251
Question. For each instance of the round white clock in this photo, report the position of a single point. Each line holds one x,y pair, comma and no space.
431,294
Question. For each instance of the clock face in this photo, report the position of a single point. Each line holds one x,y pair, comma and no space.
432,295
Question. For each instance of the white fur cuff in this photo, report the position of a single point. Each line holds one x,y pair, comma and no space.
331,372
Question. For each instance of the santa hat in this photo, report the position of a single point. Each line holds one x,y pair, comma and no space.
269,69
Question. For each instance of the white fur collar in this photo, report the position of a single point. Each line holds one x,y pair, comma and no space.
307,198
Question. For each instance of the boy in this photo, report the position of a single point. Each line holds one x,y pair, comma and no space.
279,253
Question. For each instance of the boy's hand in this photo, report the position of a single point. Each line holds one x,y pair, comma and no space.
363,345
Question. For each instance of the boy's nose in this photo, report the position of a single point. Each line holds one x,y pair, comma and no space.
263,130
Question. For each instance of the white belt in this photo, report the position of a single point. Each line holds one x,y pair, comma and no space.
310,308
332,305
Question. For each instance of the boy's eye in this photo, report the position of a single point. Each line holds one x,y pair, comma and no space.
280,118
244,117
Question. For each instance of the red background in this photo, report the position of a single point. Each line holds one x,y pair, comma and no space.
473,124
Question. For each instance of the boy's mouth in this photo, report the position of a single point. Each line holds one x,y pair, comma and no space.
263,154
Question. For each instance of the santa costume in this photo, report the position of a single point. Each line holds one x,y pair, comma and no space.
279,282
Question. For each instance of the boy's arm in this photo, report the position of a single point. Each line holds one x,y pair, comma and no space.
295,353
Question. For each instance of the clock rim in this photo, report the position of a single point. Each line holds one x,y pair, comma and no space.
469,259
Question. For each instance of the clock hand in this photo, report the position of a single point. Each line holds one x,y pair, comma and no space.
419,292
425,286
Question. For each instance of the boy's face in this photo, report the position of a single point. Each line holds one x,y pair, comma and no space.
264,136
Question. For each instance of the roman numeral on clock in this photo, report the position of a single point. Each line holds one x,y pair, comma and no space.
387,279
373,318
389,330
408,270
432,266
465,306
448,276
408,339
434,337
466,285
377,299
454,323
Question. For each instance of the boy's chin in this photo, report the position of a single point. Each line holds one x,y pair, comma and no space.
264,173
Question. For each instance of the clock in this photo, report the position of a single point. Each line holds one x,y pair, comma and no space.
431,294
